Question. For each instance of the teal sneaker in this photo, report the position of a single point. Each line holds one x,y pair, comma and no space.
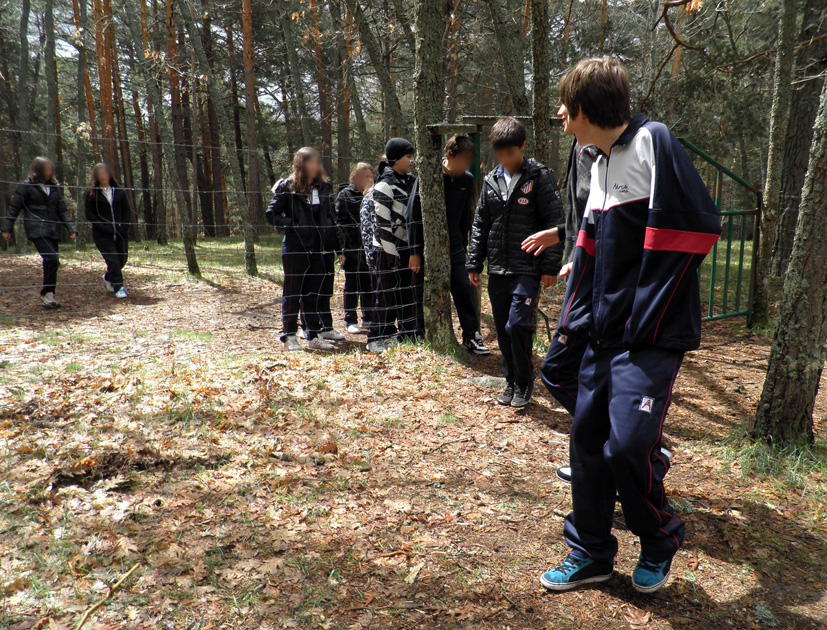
651,575
576,571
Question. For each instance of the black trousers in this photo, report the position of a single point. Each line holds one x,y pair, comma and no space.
514,305
615,449
465,298
47,248
561,368
358,289
304,277
396,307
327,290
115,252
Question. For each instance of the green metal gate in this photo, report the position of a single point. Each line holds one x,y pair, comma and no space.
727,275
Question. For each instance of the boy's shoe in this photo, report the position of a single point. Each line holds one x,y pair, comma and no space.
332,335
302,334
376,347
353,329
650,575
291,344
121,294
522,396
507,396
49,300
564,474
108,284
318,343
576,571
476,346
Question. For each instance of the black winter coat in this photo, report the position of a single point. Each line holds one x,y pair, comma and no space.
500,227
108,220
348,204
293,212
42,214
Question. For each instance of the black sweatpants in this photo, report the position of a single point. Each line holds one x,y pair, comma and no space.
304,276
115,252
514,305
395,301
358,290
561,368
465,298
327,290
47,248
615,449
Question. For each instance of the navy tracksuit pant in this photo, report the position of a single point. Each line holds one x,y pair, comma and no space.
561,367
395,301
615,448
47,248
514,305
304,276
358,289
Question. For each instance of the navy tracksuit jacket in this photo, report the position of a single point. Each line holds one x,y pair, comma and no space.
633,294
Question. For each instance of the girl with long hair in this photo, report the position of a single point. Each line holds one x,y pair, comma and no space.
40,201
303,206
107,210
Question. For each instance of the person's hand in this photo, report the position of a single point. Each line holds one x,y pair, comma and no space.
73,236
7,237
566,270
548,281
540,241
415,263
341,260
474,279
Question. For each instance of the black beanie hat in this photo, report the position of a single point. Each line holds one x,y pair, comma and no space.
397,148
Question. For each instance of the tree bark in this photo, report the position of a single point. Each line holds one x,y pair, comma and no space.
810,65
779,117
81,18
23,107
785,410
343,161
143,163
541,71
295,76
511,55
254,201
428,99
104,51
239,145
324,96
54,139
126,154
80,9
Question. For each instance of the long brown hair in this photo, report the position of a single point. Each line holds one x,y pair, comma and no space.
94,180
300,182
38,169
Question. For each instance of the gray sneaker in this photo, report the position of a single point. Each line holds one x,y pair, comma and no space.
320,344
376,347
522,396
108,284
332,335
291,344
49,300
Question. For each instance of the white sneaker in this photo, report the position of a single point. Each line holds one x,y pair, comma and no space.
376,347
49,301
121,294
353,329
320,344
302,334
291,344
108,284
332,335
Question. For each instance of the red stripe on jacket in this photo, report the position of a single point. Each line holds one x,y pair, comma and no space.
586,243
678,241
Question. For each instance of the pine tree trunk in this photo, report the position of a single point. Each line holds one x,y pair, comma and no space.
143,163
541,70
295,75
810,64
224,120
239,145
104,33
785,410
779,117
511,56
342,88
428,99
80,12
24,107
153,44
356,104
324,96
254,202
126,155
54,139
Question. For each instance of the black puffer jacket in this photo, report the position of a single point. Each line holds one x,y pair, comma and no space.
293,212
42,214
108,220
500,227
348,204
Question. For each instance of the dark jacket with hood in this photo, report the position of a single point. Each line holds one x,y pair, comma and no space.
501,225
311,230
347,207
108,220
648,225
43,213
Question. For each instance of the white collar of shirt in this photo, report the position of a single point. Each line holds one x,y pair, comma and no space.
45,189
314,197
109,194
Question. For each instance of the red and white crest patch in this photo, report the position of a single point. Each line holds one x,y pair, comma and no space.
522,201
527,187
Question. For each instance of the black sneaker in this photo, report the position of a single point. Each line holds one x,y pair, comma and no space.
507,396
476,346
522,396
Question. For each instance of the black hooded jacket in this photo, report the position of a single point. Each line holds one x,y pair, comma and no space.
43,213
293,212
108,220
500,227
347,207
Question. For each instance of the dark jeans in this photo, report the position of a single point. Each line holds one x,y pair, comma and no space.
514,305
115,252
47,248
304,277
465,298
395,301
615,449
358,289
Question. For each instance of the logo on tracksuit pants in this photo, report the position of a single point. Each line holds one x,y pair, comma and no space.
646,404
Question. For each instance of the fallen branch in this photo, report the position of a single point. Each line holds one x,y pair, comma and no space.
112,590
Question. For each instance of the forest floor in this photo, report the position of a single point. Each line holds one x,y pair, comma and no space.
260,490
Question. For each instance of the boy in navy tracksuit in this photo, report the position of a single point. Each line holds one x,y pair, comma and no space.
518,198
633,291
459,211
